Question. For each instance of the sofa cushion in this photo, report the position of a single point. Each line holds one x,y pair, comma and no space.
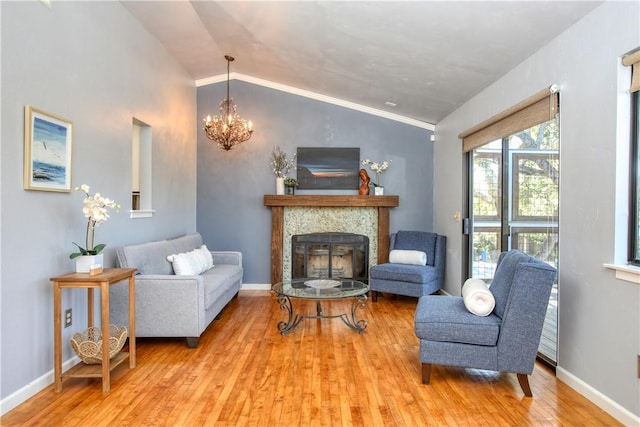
186,243
148,258
445,319
404,272
218,280
417,241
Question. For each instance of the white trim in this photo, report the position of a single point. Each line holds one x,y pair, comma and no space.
628,273
142,213
31,389
614,409
255,287
317,97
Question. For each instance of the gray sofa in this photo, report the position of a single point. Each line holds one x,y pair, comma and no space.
170,305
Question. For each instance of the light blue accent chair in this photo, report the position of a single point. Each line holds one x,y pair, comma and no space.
406,279
507,339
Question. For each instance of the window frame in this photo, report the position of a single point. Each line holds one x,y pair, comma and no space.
634,185
515,186
491,156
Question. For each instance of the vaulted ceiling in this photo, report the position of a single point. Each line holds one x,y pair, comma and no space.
427,58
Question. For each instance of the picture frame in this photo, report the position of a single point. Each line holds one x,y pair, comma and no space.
48,151
328,168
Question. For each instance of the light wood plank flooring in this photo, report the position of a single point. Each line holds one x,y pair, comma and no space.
321,374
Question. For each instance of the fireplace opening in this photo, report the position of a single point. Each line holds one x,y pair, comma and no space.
337,255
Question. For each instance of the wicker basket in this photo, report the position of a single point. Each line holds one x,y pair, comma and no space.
88,344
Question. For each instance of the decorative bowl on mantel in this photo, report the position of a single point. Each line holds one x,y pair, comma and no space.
88,344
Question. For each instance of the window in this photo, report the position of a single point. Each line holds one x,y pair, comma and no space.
515,198
141,177
632,59
513,193
634,228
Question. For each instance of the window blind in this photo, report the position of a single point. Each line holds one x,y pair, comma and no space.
633,60
536,109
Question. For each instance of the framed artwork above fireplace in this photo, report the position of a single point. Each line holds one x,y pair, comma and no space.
328,168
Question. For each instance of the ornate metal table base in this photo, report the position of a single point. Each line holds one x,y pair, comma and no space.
294,320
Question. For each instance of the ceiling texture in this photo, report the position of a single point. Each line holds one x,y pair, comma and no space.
428,58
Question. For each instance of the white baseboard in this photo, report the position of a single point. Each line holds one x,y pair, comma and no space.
614,409
33,388
255,287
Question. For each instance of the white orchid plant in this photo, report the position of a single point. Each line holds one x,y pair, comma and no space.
279,163
96,209
378,168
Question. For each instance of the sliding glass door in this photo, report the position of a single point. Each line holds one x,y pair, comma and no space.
513,203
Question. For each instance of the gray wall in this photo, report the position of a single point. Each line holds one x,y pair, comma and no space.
231,185
599,316
93,63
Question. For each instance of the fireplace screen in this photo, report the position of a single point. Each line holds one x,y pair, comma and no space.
330,255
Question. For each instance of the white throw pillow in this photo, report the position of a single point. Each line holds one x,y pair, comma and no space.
402,256
206,257
191,263
185,264
477,297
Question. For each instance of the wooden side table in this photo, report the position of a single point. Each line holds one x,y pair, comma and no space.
102,281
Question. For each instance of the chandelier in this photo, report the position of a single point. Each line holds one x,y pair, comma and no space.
228,129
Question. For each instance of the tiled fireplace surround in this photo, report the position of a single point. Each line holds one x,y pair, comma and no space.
301,214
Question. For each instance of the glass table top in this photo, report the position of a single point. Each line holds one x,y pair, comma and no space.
314,288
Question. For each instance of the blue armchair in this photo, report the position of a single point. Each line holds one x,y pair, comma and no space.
506,340
409,279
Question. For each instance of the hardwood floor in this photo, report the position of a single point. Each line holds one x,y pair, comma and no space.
243,372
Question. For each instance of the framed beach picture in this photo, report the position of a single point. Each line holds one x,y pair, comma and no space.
328,168
48,144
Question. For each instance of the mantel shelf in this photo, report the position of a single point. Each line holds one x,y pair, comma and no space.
332,200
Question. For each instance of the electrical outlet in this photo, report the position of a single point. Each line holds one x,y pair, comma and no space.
67,318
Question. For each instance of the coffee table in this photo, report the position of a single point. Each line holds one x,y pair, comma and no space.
321,290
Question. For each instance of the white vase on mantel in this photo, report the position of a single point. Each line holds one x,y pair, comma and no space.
279,185
84,262
378,191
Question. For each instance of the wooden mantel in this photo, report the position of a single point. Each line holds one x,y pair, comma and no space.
278,203
332,201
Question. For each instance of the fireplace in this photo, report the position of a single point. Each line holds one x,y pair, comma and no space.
298,214
330,255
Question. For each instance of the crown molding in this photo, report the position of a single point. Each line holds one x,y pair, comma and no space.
317,97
